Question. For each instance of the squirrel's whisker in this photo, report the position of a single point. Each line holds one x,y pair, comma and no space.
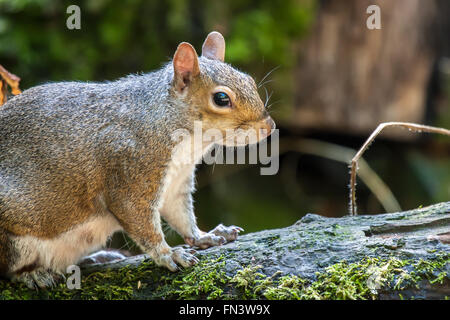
267,94
266,82
267,74
268,99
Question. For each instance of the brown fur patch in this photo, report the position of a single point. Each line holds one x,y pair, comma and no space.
5,252
165,251
27,268
87,236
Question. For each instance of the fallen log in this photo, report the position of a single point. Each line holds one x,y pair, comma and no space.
403,255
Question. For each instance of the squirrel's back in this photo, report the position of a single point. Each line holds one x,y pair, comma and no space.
92,115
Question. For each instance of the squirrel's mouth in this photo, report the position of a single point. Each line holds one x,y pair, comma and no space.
251,133
265,128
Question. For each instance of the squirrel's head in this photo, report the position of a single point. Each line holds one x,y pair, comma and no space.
222,98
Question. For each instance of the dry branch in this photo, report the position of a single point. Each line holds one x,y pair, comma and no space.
354,162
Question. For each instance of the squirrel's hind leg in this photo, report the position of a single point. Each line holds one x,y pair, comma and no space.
6,252
39,278
20,264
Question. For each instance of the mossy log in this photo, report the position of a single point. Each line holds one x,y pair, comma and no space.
399,255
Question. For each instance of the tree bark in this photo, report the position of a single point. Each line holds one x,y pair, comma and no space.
315,243
386,256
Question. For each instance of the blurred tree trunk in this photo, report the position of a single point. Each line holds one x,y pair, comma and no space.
351,78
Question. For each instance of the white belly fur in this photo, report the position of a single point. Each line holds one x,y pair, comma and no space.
66,249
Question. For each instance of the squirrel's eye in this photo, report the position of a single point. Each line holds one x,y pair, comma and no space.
221,99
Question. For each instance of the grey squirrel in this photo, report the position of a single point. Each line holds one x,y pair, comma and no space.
79,161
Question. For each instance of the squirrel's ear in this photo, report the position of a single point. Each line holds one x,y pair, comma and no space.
185,65
214,46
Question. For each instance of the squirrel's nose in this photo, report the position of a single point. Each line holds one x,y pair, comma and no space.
270,123
267,127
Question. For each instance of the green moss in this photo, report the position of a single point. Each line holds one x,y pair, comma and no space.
207,280
250,282
361,280
203,281
106,285
433,270
14,291
353,281
288,288
117,284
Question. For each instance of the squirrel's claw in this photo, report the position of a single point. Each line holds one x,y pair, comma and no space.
188,247
184,258
177,257
216,237
206,240
229,233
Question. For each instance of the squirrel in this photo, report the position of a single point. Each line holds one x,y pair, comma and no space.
81,160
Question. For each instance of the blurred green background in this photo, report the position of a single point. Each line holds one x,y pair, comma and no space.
122,37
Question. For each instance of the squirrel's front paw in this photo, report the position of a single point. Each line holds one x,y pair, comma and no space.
176,256
216,237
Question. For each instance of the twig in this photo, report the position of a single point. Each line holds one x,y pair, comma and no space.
343,154
354,162
328,151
